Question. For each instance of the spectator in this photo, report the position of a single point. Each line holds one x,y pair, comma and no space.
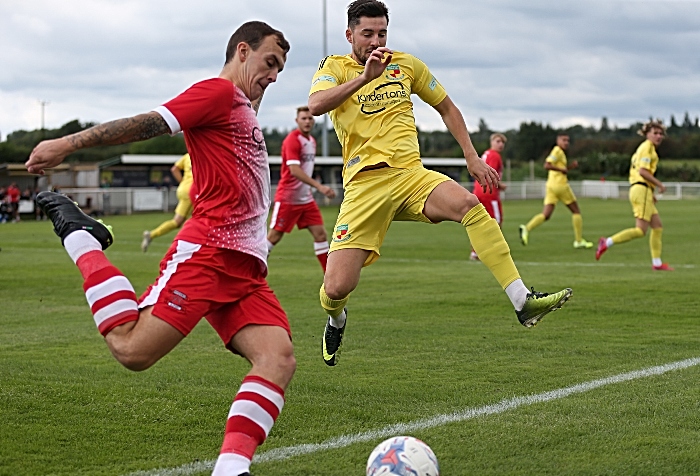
13,195
4,207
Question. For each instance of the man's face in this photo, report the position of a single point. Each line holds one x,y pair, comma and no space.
656,136
367,36
563,142
497,144
305,122
262,66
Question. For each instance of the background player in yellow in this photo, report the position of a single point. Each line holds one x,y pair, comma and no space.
182,171
558,188
641,195
368,96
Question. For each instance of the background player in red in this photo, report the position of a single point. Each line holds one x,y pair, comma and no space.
294,202
13,196
216,266
491,199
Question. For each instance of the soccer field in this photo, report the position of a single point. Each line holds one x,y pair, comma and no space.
431,343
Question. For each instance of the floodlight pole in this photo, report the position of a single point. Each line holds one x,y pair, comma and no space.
324,132
43,107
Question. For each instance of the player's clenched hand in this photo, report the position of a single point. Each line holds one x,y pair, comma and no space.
484,174
327,191
47,154
377,62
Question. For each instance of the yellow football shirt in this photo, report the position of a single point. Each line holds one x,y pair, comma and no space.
376,124
185,164
558,159
644,158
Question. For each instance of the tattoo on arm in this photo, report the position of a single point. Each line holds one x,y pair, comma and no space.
121,131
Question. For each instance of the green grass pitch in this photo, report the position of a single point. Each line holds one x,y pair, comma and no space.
430,333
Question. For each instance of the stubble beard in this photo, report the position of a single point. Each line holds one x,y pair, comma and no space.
361,55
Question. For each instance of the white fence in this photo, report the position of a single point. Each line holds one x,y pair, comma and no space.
120,201
113,201
599,189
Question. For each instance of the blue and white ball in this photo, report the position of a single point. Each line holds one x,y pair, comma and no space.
402,456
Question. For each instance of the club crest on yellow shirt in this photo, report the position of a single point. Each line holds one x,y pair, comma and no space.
394,72
342,233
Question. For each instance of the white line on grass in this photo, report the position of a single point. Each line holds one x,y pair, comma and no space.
279,454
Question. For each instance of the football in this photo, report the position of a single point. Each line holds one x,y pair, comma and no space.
402,456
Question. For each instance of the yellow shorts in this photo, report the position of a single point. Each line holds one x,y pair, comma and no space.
375,198
555,193
184,204
642,200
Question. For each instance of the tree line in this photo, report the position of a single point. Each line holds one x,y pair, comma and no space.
602,150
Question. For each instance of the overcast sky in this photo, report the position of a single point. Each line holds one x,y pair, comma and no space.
507,61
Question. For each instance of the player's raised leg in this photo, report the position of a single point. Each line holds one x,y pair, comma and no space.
136,339
450,201
534,222
260,398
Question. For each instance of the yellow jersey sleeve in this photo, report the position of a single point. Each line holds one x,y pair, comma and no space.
557,158
425,85
328,75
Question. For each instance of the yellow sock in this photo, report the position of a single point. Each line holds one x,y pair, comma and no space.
488,242
163,228
332,307
536,221
655,242
627,235
577,222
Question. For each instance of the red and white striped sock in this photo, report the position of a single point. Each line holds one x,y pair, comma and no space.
110,295
111,298
254,411
321,250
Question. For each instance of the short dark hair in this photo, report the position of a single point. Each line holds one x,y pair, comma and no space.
302,109
366,8
253,33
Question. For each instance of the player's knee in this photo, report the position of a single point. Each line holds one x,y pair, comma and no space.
466,203
132,359
337,290
279,365
287,363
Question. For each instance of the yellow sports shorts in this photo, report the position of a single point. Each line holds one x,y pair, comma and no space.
184,204
555,193
375,198
642,200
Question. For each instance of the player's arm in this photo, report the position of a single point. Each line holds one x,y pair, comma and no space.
649,177
326,100
177,173
299,174
480,170
550,166
50,153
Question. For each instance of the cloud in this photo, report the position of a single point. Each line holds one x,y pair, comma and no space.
507,61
